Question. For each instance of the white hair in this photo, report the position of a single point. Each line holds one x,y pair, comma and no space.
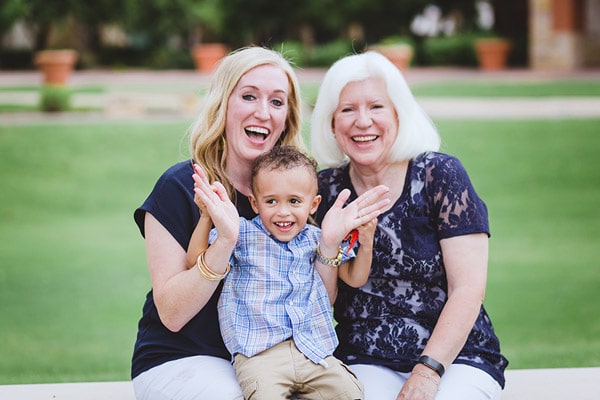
416,131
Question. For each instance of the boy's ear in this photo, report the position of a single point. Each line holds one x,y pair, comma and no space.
315,204
253,202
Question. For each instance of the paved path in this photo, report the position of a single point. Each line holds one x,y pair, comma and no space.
174,95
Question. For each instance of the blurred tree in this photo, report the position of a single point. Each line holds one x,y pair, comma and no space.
382,18
175,24
45,17
205,20
10,12
167,21
91,17
41,15
263,21
154,21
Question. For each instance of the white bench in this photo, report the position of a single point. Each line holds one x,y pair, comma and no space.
552,383
69,391
523,384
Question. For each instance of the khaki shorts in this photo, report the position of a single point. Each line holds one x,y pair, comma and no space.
283,371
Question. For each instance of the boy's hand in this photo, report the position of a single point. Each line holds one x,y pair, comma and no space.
214,201
339,220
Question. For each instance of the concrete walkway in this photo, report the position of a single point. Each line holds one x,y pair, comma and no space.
524,384
175,95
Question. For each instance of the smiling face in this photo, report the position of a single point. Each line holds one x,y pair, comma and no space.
285,198
365,123
256,113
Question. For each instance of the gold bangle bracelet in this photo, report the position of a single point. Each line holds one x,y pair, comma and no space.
332,262
208,273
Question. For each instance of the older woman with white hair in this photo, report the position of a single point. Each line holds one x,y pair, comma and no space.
417,329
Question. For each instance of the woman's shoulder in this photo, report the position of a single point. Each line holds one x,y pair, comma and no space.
436,164
434,158
335,174
176,176
171,202
182,169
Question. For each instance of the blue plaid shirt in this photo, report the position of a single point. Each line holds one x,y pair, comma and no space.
274,293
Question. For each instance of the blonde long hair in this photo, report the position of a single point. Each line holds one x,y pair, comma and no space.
208,143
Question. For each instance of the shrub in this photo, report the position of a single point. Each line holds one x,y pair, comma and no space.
397,39
324,55
454,50
293,51
55,98
320,55
165,58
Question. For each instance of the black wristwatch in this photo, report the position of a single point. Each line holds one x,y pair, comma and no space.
433,364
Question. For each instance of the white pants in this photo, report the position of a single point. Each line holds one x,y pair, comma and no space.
189,378
460,382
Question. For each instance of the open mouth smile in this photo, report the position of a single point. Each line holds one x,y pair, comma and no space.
256,132
362,139
284,225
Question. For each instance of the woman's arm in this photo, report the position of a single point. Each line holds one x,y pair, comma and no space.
465,260
179,292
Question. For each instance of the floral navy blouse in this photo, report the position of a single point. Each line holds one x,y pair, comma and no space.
389,320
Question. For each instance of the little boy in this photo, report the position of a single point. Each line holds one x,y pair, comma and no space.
275,307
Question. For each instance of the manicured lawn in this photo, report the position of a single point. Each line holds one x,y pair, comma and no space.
541,182
73,271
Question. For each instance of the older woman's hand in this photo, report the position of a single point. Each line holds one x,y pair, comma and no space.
422,384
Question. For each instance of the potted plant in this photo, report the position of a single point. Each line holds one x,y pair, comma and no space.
206,21
399,50
207,55
492,52
56,57
56,65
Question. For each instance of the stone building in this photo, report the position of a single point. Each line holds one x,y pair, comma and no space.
564,34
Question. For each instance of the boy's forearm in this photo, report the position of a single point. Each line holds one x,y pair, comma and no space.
199,239
329,276
355,273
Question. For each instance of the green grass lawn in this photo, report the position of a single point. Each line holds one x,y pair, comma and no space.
73,271
541,182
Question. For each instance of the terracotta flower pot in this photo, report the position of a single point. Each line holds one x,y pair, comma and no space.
56,65
207,55
492,53
399,54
